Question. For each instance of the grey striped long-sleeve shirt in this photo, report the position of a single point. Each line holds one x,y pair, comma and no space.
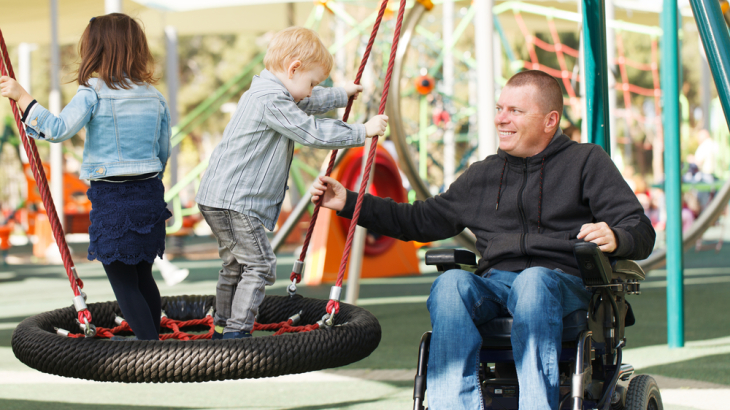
249,168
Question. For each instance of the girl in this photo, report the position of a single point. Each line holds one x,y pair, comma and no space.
127,145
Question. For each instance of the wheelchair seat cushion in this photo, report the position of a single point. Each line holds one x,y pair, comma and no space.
496,332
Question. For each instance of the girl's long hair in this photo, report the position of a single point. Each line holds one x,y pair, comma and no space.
114,47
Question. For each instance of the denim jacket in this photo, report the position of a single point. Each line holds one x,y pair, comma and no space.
127,131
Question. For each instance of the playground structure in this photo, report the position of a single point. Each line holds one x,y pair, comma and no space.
347,164
418,142
345,327
407,140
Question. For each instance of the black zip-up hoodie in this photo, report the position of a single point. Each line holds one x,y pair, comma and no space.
524,212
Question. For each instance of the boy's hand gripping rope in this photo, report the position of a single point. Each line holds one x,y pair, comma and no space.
79,300
296,275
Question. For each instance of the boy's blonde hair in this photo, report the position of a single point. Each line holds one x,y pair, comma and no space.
297,43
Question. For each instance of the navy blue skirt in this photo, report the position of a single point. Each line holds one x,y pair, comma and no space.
127,221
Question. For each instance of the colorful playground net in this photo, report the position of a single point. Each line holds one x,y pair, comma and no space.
538,38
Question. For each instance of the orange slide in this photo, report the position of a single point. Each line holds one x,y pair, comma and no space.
384,256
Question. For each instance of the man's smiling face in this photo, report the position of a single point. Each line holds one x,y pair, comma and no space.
522,126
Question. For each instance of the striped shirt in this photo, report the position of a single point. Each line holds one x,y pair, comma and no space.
249,168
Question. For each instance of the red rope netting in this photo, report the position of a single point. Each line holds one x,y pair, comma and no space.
176,326
624,85
558,48
628,88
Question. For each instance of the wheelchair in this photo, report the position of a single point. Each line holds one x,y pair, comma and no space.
592,375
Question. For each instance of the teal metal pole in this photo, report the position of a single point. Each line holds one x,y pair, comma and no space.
596,74
716,40
672,174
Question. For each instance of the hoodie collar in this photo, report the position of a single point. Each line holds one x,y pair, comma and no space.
557,144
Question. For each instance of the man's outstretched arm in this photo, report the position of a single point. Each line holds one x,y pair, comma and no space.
423,221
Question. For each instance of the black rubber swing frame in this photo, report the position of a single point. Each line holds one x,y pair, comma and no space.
354,336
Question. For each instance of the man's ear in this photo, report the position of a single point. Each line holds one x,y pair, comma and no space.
551,121
293,67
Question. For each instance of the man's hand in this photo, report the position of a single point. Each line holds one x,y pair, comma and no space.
353,89
333,195
376,126
11,89
600,234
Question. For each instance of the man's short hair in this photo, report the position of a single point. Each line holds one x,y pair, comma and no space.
550,91
297,43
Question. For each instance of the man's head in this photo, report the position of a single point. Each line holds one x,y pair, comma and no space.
528,113
298,58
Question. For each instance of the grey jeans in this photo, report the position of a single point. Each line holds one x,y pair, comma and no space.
249,264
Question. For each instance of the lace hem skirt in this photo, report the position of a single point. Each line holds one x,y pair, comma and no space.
127,221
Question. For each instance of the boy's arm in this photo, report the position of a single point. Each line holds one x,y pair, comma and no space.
287,119
41,124
323,99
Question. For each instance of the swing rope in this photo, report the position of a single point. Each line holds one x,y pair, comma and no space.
296,275
333,306
84,316
288,326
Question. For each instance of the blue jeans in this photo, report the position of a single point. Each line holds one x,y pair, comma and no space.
249,264
536,298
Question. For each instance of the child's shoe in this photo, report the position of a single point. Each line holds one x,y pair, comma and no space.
217,333
237,335
117,338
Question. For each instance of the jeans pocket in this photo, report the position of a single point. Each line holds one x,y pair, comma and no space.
220,223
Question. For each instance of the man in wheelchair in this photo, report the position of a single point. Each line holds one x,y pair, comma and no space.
528,206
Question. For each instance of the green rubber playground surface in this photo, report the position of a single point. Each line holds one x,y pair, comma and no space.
711,369
381,381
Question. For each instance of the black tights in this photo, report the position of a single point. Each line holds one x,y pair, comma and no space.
138,297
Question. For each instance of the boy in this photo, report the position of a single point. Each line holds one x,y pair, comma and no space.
242,190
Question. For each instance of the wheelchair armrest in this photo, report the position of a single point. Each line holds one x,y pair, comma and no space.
627,269
594,266
596,269
446,259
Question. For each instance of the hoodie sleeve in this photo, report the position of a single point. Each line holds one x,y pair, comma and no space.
435,218
612,201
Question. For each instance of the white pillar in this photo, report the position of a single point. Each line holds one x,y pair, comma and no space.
112,6
484,43
171,74
497,55
611,63
448,91
340,59
357,252
474,102
54,106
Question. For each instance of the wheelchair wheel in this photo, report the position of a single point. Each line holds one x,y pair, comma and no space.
643,394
